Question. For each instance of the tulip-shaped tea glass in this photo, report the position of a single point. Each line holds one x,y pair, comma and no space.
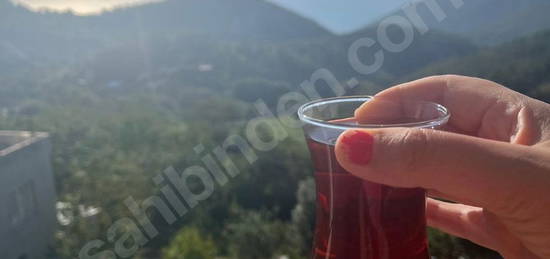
358,219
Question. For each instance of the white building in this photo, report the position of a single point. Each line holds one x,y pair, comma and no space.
27,195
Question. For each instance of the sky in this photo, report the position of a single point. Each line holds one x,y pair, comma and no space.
336,15
342,15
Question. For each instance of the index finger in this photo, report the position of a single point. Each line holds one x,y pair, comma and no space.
471,102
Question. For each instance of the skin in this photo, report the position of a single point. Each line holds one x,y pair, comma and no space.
492,161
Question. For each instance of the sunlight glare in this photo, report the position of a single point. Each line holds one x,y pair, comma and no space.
79,7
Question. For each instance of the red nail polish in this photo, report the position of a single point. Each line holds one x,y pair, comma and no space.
359,146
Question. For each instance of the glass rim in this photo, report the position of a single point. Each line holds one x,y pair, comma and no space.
440,120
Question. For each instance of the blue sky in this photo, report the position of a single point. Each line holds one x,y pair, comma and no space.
336,15
342,15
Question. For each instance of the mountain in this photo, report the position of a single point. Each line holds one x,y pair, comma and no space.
522,65
215,44
248,19
30,38
495,21
425,49
489,22
236,19
166,44
272,67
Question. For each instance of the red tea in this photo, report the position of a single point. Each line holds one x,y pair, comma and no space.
357,219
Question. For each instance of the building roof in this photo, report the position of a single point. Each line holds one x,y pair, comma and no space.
11,141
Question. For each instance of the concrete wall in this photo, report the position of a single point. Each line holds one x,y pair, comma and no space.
27,195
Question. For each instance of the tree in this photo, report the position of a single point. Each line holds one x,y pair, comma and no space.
190,244
256,235
303,215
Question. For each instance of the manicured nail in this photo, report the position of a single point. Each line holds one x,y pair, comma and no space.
358,146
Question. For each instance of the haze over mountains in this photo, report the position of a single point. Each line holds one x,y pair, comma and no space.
488,21
242,38
61,35
493,21
522,65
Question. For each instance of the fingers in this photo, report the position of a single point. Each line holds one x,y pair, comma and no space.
459,220
495,175
478,107
476,225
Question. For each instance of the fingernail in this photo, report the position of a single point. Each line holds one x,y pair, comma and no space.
358,146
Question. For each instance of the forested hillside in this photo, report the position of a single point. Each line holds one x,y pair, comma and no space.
32,39
132,92
522,65
487,22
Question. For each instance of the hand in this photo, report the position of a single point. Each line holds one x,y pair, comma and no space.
495,162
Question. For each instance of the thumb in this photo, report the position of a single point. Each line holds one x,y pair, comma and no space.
471,170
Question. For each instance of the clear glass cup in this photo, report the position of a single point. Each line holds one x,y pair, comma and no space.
358,219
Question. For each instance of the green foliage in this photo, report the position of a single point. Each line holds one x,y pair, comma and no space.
188,243
488,22
521,65
303,215
130,109
443,245
252,89
254,235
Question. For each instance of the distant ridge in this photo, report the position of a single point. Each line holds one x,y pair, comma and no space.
488,22
522,65
247,19
51,37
